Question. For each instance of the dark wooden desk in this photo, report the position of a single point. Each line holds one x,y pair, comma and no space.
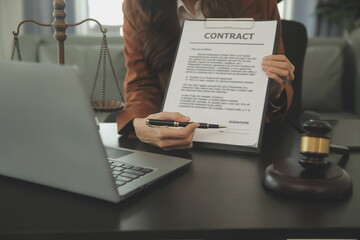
219,196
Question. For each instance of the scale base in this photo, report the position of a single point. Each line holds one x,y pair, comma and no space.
288,177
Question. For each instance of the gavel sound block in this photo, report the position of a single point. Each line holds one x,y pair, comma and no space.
311,176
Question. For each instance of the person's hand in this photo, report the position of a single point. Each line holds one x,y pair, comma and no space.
279,69
165,137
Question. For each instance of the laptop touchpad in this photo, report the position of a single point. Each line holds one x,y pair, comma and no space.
116,153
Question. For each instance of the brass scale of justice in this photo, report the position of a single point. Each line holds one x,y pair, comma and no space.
59,25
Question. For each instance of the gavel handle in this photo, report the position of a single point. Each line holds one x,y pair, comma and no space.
339,149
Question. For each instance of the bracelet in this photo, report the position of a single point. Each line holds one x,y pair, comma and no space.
275,107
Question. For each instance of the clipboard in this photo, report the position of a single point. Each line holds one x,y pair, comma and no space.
183,87
226,23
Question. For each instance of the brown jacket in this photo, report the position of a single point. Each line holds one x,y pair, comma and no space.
144,91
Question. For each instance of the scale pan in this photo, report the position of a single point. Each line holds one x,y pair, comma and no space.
107,106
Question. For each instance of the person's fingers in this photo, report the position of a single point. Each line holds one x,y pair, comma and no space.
276,65
179,147
282,62
166,133
281,73
281,58
171,139
170,116
285,65
166,137
278,80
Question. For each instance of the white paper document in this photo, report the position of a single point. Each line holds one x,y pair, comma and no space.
217,78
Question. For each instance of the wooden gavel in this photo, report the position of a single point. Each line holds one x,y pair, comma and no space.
315,144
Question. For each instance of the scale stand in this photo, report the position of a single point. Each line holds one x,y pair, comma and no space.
311,176
59,25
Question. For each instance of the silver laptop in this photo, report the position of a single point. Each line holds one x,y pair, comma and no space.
49,136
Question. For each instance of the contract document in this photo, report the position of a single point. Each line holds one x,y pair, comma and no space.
217,78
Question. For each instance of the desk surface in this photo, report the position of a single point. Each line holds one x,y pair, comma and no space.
220,195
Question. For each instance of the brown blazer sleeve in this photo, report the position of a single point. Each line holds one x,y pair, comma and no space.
141,87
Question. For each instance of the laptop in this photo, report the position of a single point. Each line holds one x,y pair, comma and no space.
49,136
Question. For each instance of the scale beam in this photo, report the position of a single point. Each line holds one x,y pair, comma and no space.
59,25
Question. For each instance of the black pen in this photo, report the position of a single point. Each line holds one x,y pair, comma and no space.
169,123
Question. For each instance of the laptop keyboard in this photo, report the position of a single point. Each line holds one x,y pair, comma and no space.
124,173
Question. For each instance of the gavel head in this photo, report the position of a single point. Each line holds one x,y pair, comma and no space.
315,144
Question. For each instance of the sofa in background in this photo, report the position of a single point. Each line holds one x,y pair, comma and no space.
355,43
331,82
330,85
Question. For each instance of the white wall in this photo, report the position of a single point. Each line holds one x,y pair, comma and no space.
302,11
11,13
288,8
